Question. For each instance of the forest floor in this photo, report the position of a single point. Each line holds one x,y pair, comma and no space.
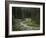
26,27
22,25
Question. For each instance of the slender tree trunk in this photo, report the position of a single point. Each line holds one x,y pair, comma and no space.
22,12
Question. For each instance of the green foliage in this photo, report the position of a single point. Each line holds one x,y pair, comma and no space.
29,16
30,22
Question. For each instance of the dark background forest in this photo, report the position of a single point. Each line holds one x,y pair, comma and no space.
25,12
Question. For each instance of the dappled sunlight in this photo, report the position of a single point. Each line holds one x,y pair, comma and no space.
25,24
